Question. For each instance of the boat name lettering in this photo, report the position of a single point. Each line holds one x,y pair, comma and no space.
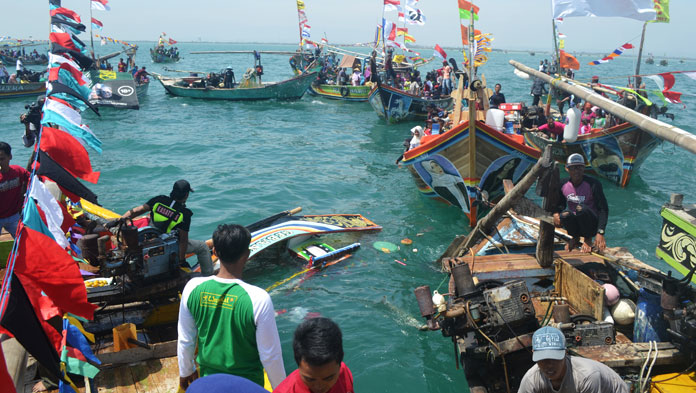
270,239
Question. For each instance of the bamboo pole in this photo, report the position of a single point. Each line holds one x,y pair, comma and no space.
640,49
267,52
460,245
668,132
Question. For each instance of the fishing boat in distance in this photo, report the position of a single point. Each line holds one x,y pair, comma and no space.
16,90
250,89
395,105
26,60
650,59
161,54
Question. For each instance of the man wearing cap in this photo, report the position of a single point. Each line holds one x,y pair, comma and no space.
168,213
582,207
555,371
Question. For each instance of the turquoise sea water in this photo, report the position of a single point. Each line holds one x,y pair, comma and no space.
247,161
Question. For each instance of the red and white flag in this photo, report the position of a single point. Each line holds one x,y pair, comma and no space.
172,42
392,5
101,5
439,52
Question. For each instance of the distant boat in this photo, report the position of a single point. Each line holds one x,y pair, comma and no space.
650,59
26,60
663,62
159,55
16,90
339,92
290,89
532,53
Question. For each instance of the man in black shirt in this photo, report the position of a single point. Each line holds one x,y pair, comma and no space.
497,98
169,213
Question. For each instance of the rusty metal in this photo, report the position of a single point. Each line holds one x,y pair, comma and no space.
425,301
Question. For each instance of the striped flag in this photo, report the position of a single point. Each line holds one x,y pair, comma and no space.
101,5
616,53
97,24
465,9
391,5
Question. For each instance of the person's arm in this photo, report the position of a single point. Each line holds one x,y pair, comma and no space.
602,214
560,206
136,211
186,341
268,341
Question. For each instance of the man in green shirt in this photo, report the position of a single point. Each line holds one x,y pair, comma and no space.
232,322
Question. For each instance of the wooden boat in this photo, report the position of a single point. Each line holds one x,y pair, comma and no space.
9,60
613,153
158,57
290,89
141,90
16,90
344,93
664,62
396,105
465,163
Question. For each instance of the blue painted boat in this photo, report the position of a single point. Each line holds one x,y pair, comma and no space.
396,105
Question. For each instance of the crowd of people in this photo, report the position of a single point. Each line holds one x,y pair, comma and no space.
172,52
23,54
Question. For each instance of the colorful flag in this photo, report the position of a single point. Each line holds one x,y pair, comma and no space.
172,42
616,53
63,25
390,31
68,153
71,121
67,182
324,41
65,40
300,5
84,61
465,9
561,44
5,379
391,5
439,52
633,9
97,24
52,213
569,61
100,5
662,10
66,12
415,16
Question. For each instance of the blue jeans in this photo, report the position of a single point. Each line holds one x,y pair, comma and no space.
10,224
446,86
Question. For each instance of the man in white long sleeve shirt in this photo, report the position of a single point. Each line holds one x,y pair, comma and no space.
233,322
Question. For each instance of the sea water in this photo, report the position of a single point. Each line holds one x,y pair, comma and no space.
249,160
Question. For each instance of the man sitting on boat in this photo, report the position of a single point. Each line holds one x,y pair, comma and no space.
555,371
169,213
553,129
582,208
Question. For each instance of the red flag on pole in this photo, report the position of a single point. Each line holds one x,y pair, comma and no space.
68,152
172,42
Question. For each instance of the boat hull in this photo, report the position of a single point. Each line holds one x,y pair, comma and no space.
13,60
614,153
396,105
291,89
343,93
160,58
498,156
18,90
141,90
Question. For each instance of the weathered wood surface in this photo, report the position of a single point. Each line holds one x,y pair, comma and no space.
630,355
515,262
582,292
138,354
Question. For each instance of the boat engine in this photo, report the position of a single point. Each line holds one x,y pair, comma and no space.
486,321
678,301
144,254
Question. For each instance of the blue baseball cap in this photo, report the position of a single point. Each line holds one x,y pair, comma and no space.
548,343
224,383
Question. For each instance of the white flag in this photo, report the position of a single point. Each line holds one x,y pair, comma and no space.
633,9
51,209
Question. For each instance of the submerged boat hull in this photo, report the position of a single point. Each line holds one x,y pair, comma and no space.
614,153
17,90
441,167
291,89
344,93
396,105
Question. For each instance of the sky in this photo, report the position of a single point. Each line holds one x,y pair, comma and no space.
514,24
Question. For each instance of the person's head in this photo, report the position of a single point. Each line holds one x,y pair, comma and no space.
551,122
180,190
5,156
444,64
549,352
143,68
575,165
122,60
318,348
417,131
231,243
595,79
498,87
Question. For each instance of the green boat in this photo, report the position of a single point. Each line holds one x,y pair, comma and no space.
249,89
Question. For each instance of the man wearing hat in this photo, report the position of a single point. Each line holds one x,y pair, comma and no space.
169,213
555,371
582,208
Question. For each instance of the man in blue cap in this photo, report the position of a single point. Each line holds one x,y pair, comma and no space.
555,371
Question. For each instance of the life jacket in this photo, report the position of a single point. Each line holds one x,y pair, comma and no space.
165,218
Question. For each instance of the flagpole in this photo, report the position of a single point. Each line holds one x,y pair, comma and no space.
472,111
640,49
91,36
555,45
299,25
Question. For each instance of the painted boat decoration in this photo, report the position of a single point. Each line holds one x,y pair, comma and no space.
290,89
9,60
114,89
452,168
158,57
396,105
289,227
613,153
16,90
344,93
677,244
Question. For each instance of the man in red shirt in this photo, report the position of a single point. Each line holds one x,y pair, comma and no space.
318,347
13,184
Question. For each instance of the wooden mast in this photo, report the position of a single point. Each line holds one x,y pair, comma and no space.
640,49
472,115
662,130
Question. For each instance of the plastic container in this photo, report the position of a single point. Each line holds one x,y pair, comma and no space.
509,127
649,324
570,132
495,118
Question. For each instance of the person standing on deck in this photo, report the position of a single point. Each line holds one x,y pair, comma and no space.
13,184
169,213
231,322
538,89
555,371
446,78
582,208
497,98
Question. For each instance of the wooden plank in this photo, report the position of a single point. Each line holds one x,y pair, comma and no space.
583,293
164,373
116,380
138,354
502,262
141,377
630,355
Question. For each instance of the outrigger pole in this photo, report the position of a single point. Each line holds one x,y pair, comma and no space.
662,130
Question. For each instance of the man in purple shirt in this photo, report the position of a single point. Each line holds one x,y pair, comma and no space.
582,208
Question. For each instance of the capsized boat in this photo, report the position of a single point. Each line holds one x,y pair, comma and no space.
395,105
248,90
